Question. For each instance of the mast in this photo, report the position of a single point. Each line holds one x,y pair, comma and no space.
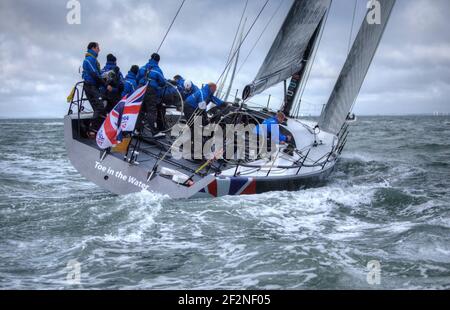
296,80
235,62
221,82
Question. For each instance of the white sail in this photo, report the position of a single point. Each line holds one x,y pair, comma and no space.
356,66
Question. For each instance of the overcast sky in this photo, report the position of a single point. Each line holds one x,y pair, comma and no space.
40,53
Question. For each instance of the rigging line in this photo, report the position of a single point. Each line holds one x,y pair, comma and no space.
220,151
193,117
170,27
260,36
222,83
233,74
351,30
245,37
237,31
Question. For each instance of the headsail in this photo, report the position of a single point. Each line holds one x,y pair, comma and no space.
356,66
286,56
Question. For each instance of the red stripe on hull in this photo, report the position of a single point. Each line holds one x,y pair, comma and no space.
251,188
212,188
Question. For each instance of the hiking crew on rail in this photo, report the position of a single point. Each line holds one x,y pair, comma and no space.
105,87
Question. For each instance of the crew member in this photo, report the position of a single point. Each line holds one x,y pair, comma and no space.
185,87
198,101
92,83
130,83
270,129
178,90
113,77
155,93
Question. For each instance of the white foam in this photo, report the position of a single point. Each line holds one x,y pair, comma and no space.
308,212
363,157
143,208
53,124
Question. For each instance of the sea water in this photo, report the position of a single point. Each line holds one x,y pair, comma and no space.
381,222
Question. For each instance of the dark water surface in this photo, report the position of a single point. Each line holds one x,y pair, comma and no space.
388,200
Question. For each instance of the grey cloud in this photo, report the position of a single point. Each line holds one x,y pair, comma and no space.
40,53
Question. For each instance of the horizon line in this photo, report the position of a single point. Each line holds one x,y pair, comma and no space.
304,116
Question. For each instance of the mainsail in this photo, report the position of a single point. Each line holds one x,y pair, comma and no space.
296,81
356,66
287,54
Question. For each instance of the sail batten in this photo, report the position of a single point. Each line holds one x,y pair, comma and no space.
287,54
356,67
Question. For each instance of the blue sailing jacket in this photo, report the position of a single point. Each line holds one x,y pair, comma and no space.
170,90
130,84
203,94
112,66
266,129
184,92
153,73
91,68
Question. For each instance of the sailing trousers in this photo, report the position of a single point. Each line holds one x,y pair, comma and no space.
155,110
94,96
151,102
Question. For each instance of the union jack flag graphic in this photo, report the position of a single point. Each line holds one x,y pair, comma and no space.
230,186
122,118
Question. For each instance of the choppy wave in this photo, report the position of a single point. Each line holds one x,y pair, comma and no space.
385,202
